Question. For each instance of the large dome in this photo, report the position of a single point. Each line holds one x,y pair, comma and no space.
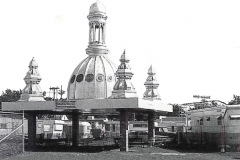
93,78
97,7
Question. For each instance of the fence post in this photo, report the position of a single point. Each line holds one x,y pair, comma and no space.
23,131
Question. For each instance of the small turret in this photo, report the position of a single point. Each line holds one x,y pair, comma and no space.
123,87
97,29
32,90
151,85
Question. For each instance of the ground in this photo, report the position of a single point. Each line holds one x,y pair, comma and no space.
136,152
11,149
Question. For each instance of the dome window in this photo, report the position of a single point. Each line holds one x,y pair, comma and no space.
110,78
89,78
79,78
100,77
73,78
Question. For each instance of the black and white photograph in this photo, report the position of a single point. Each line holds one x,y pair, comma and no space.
119,80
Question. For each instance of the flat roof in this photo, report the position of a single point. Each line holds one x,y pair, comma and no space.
87,104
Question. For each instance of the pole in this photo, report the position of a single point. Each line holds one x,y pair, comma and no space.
61,91
225,145
201,136
187,129
54,94
23,131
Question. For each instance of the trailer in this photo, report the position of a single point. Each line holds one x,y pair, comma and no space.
213,126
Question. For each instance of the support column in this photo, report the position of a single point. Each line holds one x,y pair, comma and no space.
90,32
75,130
124,130
104,33
99,33
31,131
94,31
151,129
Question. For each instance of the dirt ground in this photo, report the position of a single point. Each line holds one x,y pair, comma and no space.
136,152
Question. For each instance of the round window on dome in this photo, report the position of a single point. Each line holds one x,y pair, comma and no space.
79,78
100,77
73,78
110,78
89,78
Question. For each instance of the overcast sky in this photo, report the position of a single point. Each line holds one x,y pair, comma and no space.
194,45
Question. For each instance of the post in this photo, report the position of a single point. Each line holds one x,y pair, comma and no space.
151,129
75,130
61,92
53,94
23,131
225,144
187,130
201,137
32,131
124,130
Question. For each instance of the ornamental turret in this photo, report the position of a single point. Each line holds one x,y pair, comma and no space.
124,87
97,29
151,85
32,90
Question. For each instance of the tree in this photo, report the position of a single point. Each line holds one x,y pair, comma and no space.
10,95
235,100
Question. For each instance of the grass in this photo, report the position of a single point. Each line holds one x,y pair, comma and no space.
11,146
134,153
11,149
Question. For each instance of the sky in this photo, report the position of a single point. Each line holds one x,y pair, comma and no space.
193,44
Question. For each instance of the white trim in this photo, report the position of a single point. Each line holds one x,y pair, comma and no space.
234,116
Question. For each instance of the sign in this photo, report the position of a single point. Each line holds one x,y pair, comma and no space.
203,97
65,104
46,128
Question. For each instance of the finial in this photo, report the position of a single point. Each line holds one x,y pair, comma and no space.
32,90
151,70
123,88
151,85
124,58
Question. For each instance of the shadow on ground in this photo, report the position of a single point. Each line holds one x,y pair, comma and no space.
86,149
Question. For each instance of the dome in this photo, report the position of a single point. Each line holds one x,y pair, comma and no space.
97,7
93,78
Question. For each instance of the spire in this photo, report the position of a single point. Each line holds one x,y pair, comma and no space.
151,85
32,91
123,87
97,29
